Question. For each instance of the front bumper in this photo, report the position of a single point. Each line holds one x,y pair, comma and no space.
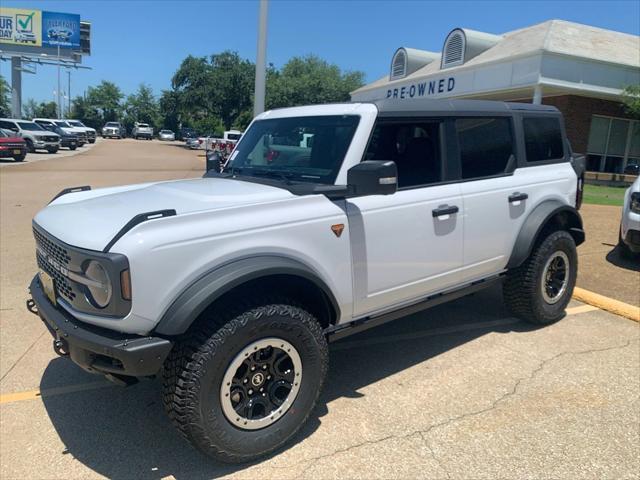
99,350
44,145
10,152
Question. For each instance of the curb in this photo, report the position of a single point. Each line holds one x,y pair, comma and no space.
608,304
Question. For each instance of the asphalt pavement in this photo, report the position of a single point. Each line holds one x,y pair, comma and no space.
459,391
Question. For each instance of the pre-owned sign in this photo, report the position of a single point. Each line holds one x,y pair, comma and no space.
60,30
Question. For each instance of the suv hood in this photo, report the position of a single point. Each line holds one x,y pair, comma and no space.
90,219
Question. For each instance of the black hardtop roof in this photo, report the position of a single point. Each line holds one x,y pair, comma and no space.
457,106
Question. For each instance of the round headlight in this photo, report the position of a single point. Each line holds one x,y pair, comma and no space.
100,288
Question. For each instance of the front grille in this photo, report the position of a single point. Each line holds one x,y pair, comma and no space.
62,284
54,251
50,139
13,145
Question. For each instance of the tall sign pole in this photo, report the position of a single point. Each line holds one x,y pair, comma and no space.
261,66
16,87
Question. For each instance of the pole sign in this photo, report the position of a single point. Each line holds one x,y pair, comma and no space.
60,30
21,27
35,28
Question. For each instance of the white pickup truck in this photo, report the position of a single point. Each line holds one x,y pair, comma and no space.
325,221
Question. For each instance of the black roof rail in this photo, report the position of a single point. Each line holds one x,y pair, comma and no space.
138,219
71,190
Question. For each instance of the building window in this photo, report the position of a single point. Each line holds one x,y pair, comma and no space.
614,144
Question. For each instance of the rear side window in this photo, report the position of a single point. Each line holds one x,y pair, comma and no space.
543,139
486,146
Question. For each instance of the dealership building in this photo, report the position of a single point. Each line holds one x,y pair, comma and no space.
581,70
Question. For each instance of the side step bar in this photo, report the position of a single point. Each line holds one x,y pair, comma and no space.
341,331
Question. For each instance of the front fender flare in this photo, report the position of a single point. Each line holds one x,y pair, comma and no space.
203,292
548,211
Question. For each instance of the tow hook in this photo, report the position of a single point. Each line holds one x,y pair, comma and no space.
58,347
31,306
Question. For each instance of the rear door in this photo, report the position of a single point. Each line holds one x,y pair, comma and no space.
409,244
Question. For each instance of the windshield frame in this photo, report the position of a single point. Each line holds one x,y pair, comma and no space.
288,174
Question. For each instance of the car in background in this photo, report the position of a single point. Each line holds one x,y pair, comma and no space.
12,146
632,169
195,143
167,135
91,132
186,133
49,123
36,137
228,140
629,236
142,130
113,130
67,140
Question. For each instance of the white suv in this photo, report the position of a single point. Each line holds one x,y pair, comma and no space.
326,220
629,239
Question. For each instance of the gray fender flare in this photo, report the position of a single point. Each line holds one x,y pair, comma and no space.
200,294
567,217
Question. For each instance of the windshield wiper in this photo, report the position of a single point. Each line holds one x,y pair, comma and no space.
284,176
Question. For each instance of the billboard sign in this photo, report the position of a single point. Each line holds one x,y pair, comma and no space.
60,30
21,27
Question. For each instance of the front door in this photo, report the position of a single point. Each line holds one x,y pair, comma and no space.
409,244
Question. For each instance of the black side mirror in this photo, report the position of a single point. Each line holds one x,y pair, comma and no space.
373,177
214,161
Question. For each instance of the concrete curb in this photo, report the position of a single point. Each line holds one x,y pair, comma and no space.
608,304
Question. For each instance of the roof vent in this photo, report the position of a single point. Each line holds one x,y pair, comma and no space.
462,45
407,60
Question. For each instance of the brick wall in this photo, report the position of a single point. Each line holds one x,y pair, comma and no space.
577,113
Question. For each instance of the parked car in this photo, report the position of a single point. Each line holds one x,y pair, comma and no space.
167,135
113,130
67,140
228,138
12,146
60,34
50,123
632,169
186,133
142,130
231,286
629,236
91,132
195,143
25,37
36,137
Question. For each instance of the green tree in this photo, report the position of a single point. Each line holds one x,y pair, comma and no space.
631,99
310,80
88,114
5,102
32,109
142,107
168,109
106,98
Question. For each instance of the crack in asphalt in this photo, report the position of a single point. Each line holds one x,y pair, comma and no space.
425,432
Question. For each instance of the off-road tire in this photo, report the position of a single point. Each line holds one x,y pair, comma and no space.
52,150
522,288
193,373
30,147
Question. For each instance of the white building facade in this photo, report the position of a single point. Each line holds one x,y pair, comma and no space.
582,70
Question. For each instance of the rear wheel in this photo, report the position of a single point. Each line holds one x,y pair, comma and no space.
242,384
539,290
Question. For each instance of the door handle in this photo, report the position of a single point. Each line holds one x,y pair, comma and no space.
444,210
517,197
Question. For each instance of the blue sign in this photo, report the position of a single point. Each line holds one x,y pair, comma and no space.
60,30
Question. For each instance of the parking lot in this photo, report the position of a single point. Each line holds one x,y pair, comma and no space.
459,391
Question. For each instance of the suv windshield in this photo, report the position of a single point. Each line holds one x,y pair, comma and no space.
75,123
308,149
62,124
234,136
29,126
143,125
112,124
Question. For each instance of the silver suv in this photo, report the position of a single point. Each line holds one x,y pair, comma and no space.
326,220
36,137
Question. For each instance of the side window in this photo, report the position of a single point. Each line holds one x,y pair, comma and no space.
414,147
8,125
486,146
542,138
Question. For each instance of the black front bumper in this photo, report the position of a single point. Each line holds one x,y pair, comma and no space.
96,349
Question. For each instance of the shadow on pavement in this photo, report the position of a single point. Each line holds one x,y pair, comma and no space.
616,257
124,433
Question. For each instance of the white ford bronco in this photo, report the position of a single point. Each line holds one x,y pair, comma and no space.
325,220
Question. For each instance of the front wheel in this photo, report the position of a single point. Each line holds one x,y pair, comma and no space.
20,158
539,290
52,149
30,147
242,384
73,147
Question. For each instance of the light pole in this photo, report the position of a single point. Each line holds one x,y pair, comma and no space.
59,109
261,67
68,93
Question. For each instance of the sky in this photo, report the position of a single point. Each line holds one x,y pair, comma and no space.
144,41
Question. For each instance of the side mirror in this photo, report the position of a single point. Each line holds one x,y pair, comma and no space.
214,161
373,177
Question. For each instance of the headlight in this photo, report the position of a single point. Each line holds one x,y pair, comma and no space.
635,202
100,288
